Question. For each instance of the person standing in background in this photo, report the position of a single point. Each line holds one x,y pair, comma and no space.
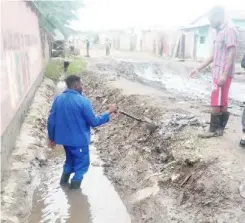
107,47
223,59
87,47
242,142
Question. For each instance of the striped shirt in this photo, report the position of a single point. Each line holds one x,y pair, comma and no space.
225,38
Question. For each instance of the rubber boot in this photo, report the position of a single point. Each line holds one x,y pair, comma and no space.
75,184
215,124
242,142
64,178
224,121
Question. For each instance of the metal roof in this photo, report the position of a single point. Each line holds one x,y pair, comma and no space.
203,19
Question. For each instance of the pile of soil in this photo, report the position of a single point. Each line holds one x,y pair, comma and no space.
160,176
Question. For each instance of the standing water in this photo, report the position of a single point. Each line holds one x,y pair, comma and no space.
96,202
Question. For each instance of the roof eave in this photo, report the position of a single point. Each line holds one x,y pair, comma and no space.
193,27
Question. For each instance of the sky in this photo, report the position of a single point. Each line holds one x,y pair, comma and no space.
117,14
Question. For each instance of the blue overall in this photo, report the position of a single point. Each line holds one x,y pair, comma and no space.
69,124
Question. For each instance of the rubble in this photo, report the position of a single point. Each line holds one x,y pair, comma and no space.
192,188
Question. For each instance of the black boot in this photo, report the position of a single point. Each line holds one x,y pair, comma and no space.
242,142
64,178
224,121
215,123
75,184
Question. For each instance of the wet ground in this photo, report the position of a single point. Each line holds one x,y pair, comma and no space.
158,75
96,202
167,176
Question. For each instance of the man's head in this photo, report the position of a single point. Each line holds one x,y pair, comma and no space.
217,16
74,82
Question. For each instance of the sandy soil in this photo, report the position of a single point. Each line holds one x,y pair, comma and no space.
170,175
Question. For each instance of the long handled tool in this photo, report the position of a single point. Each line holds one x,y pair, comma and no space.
150,126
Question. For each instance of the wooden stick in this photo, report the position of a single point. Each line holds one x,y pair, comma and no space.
131,116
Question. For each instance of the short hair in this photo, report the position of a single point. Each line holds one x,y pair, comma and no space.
217,10
71,80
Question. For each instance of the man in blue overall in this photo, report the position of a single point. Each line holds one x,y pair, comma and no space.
69,123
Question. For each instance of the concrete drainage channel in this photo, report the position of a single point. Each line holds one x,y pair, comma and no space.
97,202
38,173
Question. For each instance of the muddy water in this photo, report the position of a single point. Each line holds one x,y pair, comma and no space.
199,87
96,202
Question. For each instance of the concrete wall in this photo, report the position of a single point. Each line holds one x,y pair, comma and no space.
202,47
189,44
22,65
239,23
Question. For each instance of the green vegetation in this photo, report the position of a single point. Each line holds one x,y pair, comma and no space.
53,69
56,14
76,66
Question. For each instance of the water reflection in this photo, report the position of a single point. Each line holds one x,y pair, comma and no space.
96,202
53,203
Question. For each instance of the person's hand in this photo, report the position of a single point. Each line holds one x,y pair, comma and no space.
222,80
112,108
193,73
51,144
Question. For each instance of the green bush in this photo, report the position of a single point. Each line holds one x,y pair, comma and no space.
54,69
76,66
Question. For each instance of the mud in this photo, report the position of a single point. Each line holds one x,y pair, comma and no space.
28,158
31,191
169,175
98,202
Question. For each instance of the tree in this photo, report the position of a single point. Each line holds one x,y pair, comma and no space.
56,14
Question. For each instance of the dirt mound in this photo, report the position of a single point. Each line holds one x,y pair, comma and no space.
160,175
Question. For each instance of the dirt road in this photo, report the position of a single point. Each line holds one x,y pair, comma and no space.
169,175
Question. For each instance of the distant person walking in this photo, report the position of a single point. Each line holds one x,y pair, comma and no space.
87,47
69,123
108,47
223,59
242,142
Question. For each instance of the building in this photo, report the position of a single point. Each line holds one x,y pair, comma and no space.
24,51
197,38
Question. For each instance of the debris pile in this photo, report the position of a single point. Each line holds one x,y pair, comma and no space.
137,161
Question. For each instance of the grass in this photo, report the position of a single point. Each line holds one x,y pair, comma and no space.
53,69
76,66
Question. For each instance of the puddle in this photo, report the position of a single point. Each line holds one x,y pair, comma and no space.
97,202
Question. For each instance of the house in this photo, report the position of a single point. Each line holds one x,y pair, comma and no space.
197,38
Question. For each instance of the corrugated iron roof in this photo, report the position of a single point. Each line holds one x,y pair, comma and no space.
203,19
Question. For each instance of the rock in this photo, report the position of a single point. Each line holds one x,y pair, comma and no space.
191,162
175,177
200,188
106,165
242,190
